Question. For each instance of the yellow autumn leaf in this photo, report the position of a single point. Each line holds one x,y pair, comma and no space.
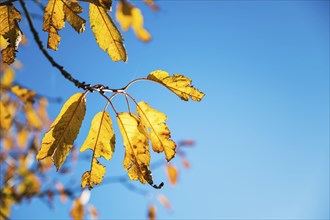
58,141
8,76
103,3
22,137
9,29
94,176
42,111
23,94
53,22
152,212
5,117
30,185
129,16
7,201
106,33
178,84
71,10
32,117
101,137
159,134
137,155
77,211
3,42
172,174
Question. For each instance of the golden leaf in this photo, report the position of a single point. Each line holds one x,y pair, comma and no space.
5,117
159,134
7,76
137,155
152,212
178,84
129,16
164,201
9,29
103,3
30,185
42,111
7,201
53,22
77,211
32,117
106,33
172,174
22,137
71,10
94,176
101,137
151,4
58,141
23,94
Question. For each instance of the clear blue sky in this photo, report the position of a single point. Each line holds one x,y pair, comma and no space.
261,132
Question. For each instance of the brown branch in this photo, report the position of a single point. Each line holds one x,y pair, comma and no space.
66,74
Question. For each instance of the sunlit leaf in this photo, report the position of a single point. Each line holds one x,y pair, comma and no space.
172,174
53,22
137,155
32,117
30,185
7,76
9,29
58,141
5,117
6,202
178,84
129,16
42,111
103,3
152,212
158,132
164,201
151,4
23,94
22,137
94,176
77,211
101,137
106,33
71,10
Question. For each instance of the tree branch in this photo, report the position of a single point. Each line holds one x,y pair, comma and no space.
66,74
7,2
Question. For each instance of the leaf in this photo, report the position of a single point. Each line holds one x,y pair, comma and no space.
77,211
94,176
103,3
42,111
101,137
159,134
106,33
129,16
152,212
23,94
178,84
22,137
71,10
32,117
53,22
58,141
151,4
30,185
9,29
7,76
137,155
172,174
5,117
164,201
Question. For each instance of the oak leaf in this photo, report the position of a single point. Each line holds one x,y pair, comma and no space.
9,29
178,84
137,155
58,141
129,16
94,176
53,22
71,10
157,130
106,33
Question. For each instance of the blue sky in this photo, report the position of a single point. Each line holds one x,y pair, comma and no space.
261,132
